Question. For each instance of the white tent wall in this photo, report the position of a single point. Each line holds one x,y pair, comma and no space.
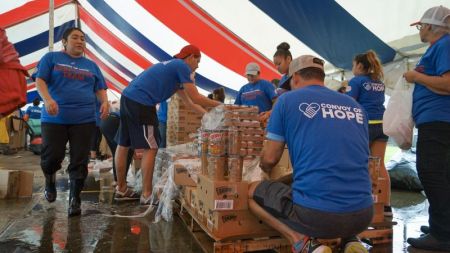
388,20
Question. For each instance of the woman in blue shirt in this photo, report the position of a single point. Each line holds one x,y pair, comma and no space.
69,84
281,59
367,88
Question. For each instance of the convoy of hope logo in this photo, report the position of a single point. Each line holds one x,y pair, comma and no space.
332,111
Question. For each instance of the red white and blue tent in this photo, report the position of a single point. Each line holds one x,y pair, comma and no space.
124,37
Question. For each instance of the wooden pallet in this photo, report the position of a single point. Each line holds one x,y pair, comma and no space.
241,244
376,234
379,233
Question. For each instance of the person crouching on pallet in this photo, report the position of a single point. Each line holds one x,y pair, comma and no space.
327,137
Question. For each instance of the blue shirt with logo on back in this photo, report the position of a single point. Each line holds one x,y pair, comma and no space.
72,83
427,105
327,136
159,82
369,93
258,94
34,112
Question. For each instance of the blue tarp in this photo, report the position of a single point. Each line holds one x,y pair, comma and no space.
326,28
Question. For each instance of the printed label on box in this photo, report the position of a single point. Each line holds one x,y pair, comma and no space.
225,189
230,217
226,204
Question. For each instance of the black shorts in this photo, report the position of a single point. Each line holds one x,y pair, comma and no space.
276,198
376,133
138,125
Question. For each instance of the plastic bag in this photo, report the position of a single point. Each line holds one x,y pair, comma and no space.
397,119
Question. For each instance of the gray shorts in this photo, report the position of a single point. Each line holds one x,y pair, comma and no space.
276,198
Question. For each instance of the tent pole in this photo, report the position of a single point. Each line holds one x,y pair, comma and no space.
51,30
77,18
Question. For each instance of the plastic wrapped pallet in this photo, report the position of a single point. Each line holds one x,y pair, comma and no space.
164,188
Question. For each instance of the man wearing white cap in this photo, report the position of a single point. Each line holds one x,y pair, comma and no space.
330,196
431,112
257,92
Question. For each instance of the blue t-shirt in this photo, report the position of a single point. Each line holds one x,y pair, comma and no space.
427,105
162,112
72,83
258,94
369,93
159,82
327,136
34,112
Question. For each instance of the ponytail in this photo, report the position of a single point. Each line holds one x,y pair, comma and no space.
283,50
371,64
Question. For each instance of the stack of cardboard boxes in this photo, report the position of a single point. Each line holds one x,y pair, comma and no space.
219,200
181,121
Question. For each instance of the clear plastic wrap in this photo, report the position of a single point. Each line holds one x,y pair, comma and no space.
251,170
164,188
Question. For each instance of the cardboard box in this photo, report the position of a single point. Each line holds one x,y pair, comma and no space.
193,199
234,223
25,184
283,167
9,183
378,212
222,195
14,183
381,190
186,192
182,176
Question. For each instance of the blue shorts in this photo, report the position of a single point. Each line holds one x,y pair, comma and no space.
376,133
276,198
138,125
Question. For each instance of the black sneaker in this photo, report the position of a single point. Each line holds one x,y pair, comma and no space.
428,242
425,229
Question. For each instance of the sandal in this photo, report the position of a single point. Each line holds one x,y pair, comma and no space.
128,194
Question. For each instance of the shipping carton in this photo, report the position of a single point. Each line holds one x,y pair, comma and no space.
283,168
14,183
224,224
9,183
222,195
379,192
186,193
378,212
25,184
182,176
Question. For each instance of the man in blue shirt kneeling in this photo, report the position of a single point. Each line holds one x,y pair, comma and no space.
327,137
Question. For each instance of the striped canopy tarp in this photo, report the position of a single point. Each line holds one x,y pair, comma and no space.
125,37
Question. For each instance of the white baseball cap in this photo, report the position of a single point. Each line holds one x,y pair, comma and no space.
299,63
435,16
252,69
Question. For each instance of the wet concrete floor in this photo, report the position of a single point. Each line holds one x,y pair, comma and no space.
33,225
